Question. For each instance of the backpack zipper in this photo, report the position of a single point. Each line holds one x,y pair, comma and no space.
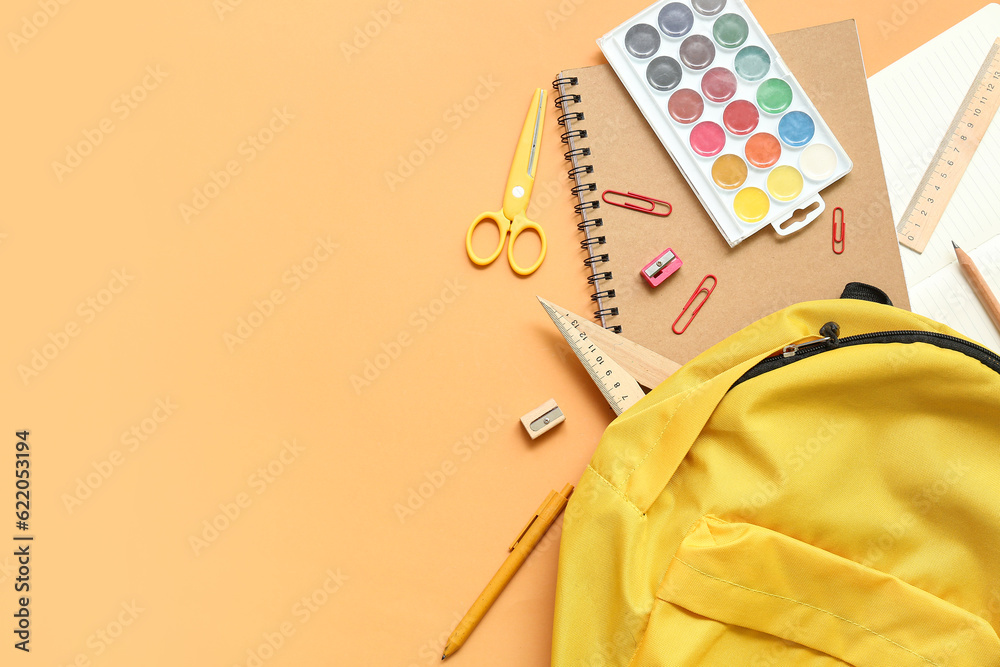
830,340
792,350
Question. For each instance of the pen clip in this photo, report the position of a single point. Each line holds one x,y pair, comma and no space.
534,517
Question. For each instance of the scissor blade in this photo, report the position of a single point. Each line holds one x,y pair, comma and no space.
620,389
536,135
521,179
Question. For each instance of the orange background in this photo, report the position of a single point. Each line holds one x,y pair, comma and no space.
119,301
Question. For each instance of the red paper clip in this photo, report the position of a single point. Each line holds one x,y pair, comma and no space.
842,231
649,201
701,288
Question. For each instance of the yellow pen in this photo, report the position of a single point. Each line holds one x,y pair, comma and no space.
519,550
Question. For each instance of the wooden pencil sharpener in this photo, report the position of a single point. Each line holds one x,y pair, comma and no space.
543,418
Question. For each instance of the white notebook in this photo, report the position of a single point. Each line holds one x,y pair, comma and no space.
914,101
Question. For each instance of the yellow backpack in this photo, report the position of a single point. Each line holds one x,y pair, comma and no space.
821,488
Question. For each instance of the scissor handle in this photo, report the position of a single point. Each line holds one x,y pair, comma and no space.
520,224
503,226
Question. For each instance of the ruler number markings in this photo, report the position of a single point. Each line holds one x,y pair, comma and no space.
953,156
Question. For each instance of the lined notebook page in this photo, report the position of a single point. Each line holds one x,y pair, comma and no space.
947,297
914,100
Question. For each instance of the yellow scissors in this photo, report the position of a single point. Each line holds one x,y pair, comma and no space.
515,199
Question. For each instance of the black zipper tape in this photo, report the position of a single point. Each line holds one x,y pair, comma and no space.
986,357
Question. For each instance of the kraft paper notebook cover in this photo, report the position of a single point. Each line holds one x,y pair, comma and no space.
613,148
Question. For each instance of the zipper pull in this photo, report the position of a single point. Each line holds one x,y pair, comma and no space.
829,333
790,350
832,332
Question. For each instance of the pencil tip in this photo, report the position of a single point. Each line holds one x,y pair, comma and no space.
954,245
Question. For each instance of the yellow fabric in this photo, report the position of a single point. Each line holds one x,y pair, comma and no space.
844,509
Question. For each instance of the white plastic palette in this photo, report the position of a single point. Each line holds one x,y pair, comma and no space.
730,113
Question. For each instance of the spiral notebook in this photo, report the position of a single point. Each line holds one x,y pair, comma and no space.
611,147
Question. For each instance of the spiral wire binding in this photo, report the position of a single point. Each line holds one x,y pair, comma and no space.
575,156
573,115
563,100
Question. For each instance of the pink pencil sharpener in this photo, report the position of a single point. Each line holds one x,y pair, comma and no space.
661,268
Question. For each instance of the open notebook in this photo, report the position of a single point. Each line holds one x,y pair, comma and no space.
914,101
613,148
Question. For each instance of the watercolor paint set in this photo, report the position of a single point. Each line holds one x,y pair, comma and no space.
732,116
